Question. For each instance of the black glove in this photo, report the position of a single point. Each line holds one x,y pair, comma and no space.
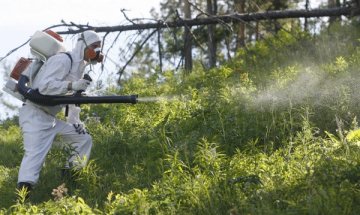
80,128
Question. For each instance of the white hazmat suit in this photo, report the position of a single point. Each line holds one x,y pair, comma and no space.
39,123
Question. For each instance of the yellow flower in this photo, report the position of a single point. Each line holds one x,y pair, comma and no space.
353,136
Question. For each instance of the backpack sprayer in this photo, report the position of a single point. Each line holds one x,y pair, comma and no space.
42,46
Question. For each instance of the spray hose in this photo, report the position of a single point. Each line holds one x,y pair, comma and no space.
35,96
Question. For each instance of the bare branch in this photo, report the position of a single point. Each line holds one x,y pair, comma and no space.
112,45
126,17
78,28
121,71
346,11
211,16
15,49
180,62
102,48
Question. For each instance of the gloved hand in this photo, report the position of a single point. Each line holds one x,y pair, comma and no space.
81,84
80,128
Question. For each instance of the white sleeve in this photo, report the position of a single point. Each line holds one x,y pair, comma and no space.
52,78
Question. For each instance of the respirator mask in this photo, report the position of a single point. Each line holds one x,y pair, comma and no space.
93,56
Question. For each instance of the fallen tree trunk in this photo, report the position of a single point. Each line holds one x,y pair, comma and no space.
236,17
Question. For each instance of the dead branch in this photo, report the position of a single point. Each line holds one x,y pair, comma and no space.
15,49
121,71
159,48
102,48
210,15
352,10
236,17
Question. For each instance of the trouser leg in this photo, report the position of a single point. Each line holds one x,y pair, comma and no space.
36,145
39,130
80,143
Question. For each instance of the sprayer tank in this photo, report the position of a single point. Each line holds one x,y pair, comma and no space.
44,45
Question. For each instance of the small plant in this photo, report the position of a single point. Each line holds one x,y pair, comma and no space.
22,194
60,192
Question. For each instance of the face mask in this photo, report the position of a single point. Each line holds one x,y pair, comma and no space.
99,56
94,55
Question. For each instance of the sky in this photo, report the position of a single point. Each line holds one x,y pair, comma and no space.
20,19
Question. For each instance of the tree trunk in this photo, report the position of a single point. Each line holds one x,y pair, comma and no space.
187,39
333,4
240,27
277,6
211,9
253,17
306,27
257,31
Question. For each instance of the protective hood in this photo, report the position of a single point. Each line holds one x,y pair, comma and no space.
78,50
90,37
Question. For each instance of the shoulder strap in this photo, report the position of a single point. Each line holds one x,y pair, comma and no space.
67,106
69,55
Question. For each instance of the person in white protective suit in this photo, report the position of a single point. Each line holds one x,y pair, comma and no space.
59,75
